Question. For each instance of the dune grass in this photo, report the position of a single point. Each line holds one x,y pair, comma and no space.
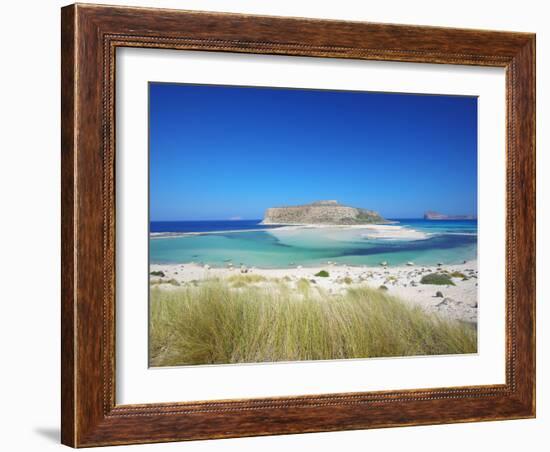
214,323
155,282
247,278
238,281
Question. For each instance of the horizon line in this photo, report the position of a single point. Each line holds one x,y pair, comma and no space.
260,219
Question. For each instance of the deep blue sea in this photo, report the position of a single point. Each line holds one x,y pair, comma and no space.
247,242
207,226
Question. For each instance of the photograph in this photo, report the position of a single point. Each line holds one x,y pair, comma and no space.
290,224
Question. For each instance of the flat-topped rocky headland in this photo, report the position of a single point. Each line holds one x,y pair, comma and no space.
329,212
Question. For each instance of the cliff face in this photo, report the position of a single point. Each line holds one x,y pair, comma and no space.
321,212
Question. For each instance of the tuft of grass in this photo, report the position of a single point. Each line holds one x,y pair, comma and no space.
383,287
239,284
457,274
156,282
322,274
347,280
248,278
239,281
441,279
303,285
214,324
158,273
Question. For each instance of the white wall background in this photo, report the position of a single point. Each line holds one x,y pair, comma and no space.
30,225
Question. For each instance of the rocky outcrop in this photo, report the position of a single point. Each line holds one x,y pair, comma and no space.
321,212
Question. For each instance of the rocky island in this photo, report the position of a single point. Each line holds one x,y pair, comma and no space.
321,213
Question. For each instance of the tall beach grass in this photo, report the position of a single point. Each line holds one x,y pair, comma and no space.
221,321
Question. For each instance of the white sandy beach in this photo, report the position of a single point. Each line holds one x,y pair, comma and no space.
371,231
457,302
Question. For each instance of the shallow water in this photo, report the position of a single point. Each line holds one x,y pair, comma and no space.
449,242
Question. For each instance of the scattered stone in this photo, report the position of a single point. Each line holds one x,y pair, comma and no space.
410,264
457,310
439,294
446,301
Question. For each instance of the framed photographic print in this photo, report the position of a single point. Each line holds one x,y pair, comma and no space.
281,225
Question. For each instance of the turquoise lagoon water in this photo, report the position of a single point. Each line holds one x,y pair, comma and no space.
249,243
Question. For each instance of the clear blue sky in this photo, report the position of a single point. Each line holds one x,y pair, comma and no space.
220,152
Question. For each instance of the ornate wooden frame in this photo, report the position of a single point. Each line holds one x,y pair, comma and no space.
90,35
